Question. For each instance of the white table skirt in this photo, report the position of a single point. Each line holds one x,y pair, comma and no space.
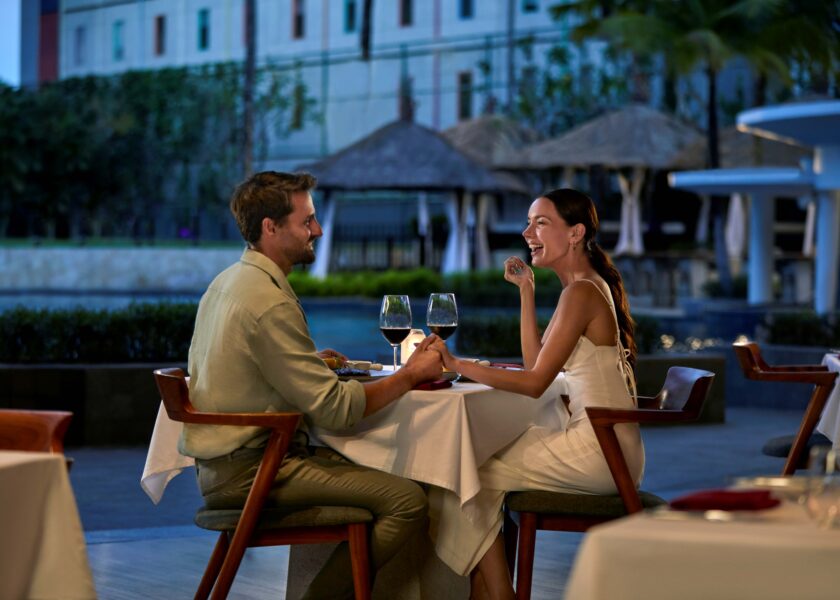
440,437
829,423
42,547
782,555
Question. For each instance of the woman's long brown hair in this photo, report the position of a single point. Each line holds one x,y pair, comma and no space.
576,207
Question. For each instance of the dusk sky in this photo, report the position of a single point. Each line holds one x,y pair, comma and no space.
10,41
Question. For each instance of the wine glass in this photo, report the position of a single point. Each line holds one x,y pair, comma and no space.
442,314
395,321
823,495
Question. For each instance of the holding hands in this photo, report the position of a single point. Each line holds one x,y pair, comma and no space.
424,362
518,273
439,346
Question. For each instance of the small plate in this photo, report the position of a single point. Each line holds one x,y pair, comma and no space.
449,375
787,488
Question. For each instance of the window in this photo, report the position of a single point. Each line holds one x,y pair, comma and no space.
298,105
466,9
79,46
349,16
298,19
117,42
406,10
204,29
529,6
464,95
160,35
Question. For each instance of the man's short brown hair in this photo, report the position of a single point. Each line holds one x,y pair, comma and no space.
266,194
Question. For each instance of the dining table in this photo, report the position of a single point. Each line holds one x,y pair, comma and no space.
829,423
42,545
438,437
773,554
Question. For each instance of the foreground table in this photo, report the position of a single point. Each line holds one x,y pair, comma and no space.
774,554
829,423
42,547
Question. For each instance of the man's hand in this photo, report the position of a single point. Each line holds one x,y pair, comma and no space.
333,358
424,364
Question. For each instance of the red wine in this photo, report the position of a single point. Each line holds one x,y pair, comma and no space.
395,335
443,331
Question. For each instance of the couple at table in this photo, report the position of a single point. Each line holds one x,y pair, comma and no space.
251,351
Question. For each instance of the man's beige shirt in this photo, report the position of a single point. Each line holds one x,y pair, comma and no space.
251,352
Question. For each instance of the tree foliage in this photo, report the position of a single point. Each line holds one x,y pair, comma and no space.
113,154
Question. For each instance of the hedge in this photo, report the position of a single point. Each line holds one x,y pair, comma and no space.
498,335
140,333
803,329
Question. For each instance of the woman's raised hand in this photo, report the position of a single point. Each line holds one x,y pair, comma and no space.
518,273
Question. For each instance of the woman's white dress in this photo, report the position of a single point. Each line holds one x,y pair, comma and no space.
550,455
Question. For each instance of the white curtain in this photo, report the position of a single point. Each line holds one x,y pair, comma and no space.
321,267
482,245
450,255
735,232
630,235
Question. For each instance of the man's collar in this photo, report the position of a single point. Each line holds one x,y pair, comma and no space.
261,261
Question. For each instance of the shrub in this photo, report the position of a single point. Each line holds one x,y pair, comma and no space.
803,329
498,335
139,333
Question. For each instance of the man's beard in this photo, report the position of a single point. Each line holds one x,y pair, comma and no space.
307,256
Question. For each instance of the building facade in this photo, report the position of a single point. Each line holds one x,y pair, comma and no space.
453,57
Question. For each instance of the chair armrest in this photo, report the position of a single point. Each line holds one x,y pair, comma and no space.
796,368
814,377
272,420
602,416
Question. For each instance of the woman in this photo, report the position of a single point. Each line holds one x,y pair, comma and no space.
590,336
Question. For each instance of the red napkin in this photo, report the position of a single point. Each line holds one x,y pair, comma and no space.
437,384
726,500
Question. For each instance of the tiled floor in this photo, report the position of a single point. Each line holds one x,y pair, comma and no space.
139,550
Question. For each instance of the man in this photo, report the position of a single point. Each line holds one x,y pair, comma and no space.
251,352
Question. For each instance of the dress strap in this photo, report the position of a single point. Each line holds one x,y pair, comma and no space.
623,364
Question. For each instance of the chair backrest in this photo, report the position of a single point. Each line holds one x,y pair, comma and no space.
681,399
685,390
754,366
33,430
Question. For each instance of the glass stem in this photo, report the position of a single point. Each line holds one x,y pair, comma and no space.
395,358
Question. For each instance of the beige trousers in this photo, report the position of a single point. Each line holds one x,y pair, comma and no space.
320,476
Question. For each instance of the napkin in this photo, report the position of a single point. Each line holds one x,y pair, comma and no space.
437,384
726,500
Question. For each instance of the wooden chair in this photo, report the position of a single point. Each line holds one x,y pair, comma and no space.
252,525
33,430
794,447
680,400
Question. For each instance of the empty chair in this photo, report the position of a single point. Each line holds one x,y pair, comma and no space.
680,400
793,447
252,525
33,430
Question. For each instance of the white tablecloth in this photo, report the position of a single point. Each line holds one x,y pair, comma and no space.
829,423
42,547
439,437
781,556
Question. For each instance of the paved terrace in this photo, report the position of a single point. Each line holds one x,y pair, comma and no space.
138,550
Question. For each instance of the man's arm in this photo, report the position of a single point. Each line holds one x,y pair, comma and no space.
424,365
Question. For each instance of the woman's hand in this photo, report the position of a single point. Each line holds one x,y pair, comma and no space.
518,273
439,346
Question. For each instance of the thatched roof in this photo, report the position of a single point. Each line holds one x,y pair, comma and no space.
489,138
634,136
742,150
406,156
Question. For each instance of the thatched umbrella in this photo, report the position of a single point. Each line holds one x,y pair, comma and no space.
739,150
635,137
406,156
486,140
